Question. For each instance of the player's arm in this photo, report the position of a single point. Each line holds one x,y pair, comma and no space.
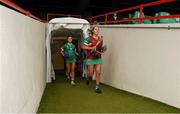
87,45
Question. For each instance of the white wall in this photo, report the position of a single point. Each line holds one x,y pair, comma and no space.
22,62
143,61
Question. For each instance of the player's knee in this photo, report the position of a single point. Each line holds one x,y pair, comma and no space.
98,73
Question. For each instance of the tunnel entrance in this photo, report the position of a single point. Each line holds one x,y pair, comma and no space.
58,29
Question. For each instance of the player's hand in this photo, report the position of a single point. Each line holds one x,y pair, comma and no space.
93,48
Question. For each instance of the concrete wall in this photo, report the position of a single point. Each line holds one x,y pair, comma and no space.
22,62
145,61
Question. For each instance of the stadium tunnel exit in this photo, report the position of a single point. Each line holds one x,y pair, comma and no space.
57,32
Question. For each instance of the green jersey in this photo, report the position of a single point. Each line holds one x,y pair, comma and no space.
71,49
87,41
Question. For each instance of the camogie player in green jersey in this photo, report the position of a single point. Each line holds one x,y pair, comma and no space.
68,50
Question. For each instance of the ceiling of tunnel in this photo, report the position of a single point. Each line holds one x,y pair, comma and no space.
87,8
63,32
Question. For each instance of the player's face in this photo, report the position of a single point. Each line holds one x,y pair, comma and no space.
96,31
69,39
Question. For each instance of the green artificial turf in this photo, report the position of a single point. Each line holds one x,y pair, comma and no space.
61,97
